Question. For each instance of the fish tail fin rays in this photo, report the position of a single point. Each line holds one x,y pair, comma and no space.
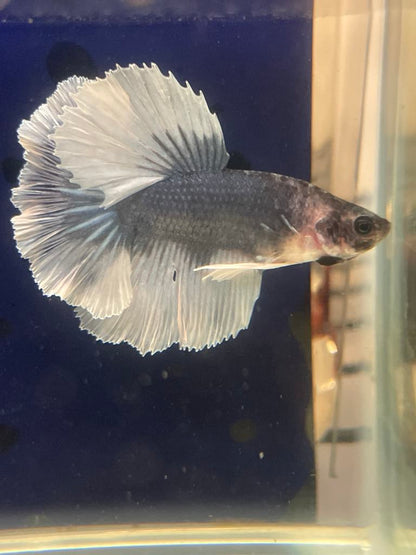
75,247
136,127
173,304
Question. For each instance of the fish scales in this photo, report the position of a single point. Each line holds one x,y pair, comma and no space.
206,211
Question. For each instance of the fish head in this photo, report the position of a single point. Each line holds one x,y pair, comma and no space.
347,230
313,225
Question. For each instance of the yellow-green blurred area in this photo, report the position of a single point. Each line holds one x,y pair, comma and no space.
243,430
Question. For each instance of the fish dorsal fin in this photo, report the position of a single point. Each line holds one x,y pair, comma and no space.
134,128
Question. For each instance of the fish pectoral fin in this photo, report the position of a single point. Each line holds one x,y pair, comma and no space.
135,128
173,304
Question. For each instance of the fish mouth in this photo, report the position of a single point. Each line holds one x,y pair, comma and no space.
329,260
382,228
385,227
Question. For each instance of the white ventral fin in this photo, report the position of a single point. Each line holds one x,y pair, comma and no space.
134,128
173,304
232,265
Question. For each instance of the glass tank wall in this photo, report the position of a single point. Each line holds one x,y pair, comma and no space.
296,437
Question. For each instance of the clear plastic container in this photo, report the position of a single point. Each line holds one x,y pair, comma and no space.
298,436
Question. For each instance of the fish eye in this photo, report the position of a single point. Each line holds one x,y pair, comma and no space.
363,225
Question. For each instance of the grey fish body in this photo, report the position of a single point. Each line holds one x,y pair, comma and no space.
208,211
254,213
128,213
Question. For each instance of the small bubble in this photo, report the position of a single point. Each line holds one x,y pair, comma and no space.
165,374
261,455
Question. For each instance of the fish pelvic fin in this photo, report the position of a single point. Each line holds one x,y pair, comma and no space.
133,128
224,271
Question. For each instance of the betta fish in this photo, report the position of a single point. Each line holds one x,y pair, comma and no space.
128,213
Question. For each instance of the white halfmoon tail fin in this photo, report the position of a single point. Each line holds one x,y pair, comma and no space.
75,247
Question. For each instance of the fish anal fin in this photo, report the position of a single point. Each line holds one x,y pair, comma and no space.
172,303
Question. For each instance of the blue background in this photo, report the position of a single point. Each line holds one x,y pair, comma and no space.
84,424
